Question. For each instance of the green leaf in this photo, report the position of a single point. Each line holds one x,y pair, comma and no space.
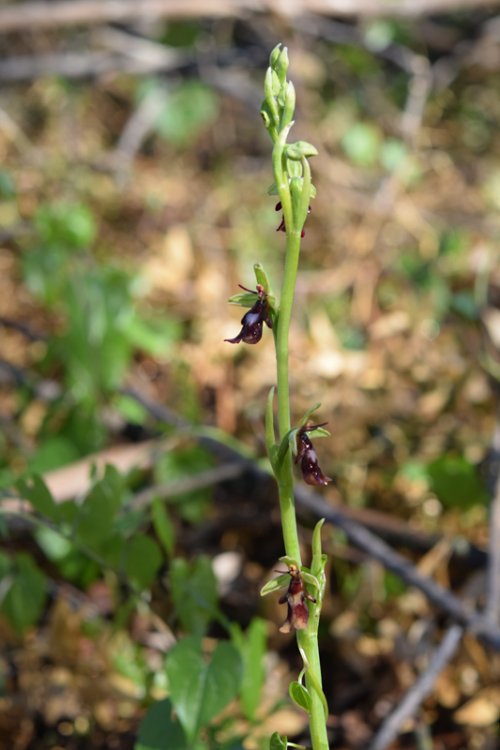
252,651
37,493
361,144
54,545
277,742
456,483
95,518
201,689
177,465
194,592
24,601
162,525
300,696
7,187
69,224
189,110
159,730
54,451
141,560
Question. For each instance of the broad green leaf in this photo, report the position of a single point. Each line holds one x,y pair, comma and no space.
253,650
456,483
194,592
54,451
179,464
277,742
162,525
54,545
94,521
159,730
189,109
201,689
361,144
69,224
36,491
24,601
141,560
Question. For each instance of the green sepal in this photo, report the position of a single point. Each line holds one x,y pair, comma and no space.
272,189
243,299
309,413
319,432
316,548
261,277
319,559
300,150
311,579
300,696
275,584
289,561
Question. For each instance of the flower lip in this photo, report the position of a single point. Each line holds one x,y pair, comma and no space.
309,465
295,599
253,320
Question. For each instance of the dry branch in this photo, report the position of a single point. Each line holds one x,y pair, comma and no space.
50,15
372,545
419,691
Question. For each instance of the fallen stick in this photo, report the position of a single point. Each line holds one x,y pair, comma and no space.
372,545
50,15
419,691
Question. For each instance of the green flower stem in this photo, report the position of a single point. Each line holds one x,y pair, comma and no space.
307,640
292,178
285,478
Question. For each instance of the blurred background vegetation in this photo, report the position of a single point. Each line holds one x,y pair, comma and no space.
133,183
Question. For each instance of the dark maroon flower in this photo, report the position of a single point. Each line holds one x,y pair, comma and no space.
297,611
311,470
253,320
282,227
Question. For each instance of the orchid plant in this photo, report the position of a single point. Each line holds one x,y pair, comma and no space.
304,586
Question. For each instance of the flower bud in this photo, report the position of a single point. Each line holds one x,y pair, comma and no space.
288,105
278,61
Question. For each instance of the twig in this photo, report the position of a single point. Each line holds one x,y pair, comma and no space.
60,13
199,481
22,328
137,128
76,65
419,691
375,547
492,610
